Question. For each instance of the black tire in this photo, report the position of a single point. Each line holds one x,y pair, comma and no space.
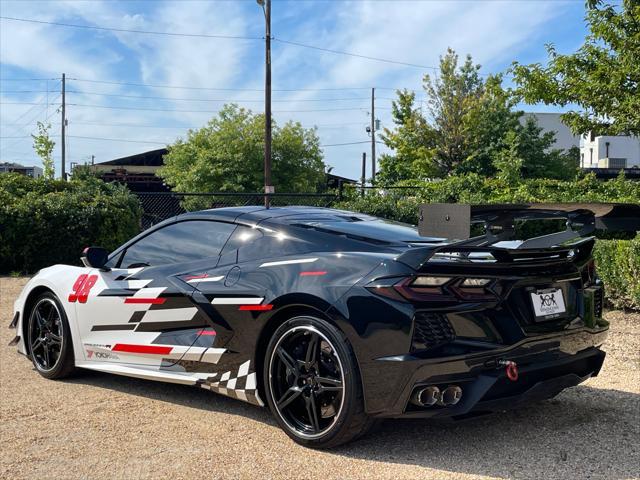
321,404
49,338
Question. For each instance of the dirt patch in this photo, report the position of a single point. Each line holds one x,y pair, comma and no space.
102,426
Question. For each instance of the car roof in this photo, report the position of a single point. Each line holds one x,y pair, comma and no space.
328,220
280,215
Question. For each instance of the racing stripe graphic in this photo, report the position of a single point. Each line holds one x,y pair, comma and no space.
255,308
148,301
169,315
147,296
144,349
170,353
207,279
237,300
241,385
129,273
288,262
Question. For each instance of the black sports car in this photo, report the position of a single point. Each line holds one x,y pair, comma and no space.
333,318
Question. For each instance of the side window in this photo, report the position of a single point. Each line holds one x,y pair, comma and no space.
253,244
241,237
178,242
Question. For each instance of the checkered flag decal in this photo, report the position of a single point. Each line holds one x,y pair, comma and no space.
241,385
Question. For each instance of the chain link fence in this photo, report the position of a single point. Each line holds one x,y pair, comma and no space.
158,206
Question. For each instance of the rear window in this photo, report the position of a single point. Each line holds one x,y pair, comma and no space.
376,229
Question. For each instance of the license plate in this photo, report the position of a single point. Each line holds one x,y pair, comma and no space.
548,304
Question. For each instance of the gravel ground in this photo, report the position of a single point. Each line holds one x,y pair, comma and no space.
101,426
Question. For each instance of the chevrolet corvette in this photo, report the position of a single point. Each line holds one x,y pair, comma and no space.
334,319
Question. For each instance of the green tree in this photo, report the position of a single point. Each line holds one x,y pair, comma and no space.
471,122
451,96
539,158
43,145
508,161
489,118
412,141
602,77
227,155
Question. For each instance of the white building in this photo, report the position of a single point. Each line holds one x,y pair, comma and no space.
617,152
550,122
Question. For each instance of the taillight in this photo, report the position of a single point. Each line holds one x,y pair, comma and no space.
425,281
423,288
475,282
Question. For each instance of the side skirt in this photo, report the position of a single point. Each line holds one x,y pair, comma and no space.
211,381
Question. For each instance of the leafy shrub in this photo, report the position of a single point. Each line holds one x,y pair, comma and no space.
618,264
47,222
618,261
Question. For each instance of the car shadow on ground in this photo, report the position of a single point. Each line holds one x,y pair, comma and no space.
582,426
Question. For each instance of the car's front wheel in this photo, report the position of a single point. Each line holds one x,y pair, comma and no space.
312,383
49,338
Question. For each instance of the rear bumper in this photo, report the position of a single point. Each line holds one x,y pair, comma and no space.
546,366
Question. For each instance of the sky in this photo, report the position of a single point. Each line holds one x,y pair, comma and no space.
132,92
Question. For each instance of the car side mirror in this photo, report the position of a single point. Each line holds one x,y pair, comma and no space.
95,257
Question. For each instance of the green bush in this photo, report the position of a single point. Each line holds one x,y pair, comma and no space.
618,261
47,222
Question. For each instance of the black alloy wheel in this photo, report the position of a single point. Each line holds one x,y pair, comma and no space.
306,381
49,339
310,377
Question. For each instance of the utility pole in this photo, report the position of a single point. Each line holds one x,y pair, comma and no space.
62,140
373,136
363,178
93,159
268,188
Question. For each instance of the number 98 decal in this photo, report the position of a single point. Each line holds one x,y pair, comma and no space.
82,287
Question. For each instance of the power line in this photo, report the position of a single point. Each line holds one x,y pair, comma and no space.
26,79
222,89
124,30
187,127
116,140
346,143
152,97
356,55
209,111
233,37
44,104
25,103
28,91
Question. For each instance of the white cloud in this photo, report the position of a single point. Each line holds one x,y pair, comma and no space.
415,32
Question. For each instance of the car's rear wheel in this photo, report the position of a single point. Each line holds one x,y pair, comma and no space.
312,383
49,337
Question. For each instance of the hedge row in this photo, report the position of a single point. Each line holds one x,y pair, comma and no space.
48,222
618,261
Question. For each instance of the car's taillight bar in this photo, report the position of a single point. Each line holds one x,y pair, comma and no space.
422,288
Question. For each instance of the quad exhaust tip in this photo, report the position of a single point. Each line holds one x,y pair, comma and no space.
451,395
432,395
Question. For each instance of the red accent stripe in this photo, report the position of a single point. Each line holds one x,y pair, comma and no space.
313,273
193,277
256,308
155,349
207,332
153,301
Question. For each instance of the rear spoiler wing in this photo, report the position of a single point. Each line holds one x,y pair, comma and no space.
449,226
454,221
